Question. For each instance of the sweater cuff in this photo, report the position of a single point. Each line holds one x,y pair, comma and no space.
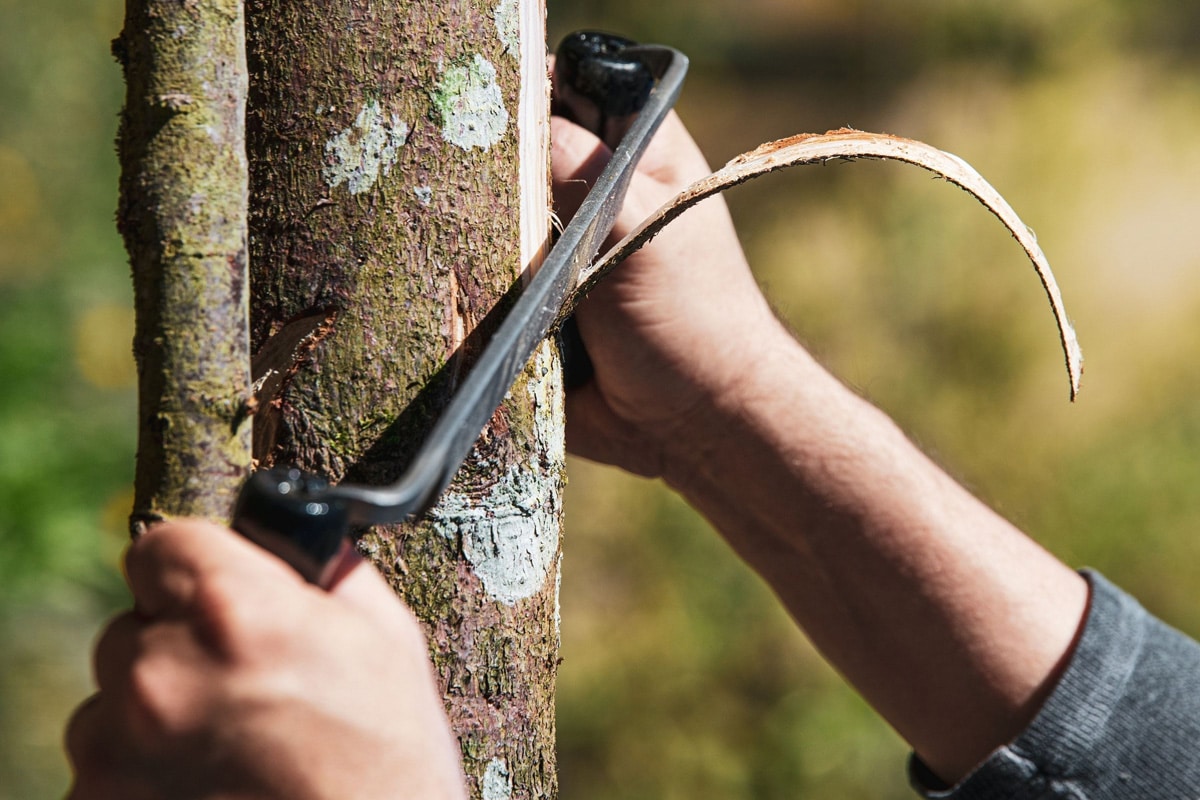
1057,745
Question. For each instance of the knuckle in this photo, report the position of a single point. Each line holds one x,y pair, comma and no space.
114,648
155,706
146,710
227,621
238,621
99,755
150,548
80,740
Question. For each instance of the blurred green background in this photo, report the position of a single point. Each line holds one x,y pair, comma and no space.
681,678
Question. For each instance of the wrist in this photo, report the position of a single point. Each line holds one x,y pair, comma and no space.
739,391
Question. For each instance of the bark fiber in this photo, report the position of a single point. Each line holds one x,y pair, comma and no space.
183,215
385,193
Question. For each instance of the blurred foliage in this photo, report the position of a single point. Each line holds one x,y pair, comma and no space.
66,401
682,677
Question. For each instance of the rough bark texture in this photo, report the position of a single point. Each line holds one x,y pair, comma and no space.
183,216
385,233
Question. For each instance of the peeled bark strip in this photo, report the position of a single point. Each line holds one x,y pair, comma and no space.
848,144
183,216
386,199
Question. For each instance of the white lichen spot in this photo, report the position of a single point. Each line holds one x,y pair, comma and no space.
508,26
549,416
497,781
361,153
471,106
509,535
424,194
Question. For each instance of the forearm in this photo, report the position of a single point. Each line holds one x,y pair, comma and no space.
952,623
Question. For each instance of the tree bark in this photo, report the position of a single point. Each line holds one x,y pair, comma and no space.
183,215
398,158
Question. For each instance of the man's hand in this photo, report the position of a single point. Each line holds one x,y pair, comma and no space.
670,327
232,678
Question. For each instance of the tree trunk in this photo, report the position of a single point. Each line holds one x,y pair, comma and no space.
398,159
183,216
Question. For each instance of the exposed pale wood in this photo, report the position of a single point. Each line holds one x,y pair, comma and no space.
534,125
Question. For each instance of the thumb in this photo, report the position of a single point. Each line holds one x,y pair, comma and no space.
356,583
577,158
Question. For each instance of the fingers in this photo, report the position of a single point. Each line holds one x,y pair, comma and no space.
577,159
189,569
166,564
116,650
83,735
670,164
228,645
100,770
162,568
94,752
673,158
149,677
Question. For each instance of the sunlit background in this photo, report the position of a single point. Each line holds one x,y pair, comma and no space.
681,678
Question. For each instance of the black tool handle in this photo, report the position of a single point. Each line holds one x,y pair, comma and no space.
598,85
287,512
602,89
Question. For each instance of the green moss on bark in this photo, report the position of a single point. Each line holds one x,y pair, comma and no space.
183,214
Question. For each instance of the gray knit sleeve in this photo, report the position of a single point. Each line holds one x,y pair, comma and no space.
1122,724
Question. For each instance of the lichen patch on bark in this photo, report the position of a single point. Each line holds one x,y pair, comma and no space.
510,535
507,16
497,782
547,394
361,153
471,105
